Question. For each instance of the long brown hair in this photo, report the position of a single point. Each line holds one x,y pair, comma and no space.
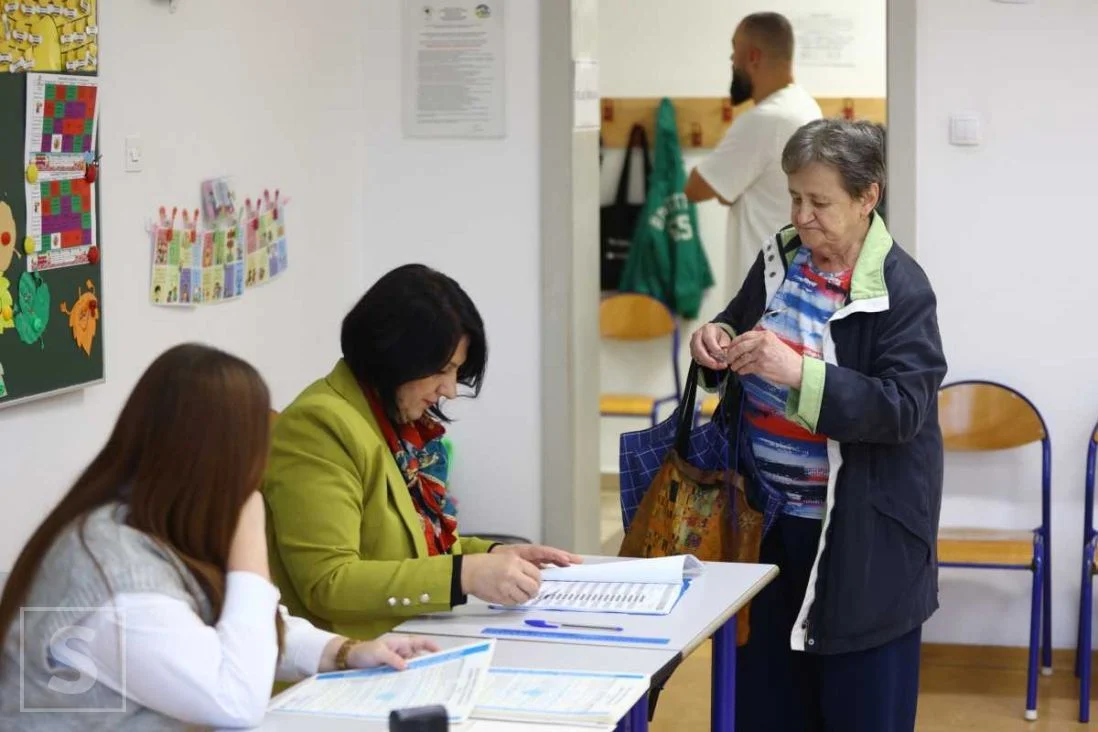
187,451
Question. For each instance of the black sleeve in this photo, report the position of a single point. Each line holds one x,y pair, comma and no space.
734,315
457,597
891,402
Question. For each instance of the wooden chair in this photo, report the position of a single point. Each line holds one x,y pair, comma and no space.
981,416
1086,598
633,317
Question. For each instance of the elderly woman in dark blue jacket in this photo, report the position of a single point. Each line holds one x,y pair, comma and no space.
834,339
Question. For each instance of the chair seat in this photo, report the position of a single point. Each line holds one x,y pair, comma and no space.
985,546
628,404
709,405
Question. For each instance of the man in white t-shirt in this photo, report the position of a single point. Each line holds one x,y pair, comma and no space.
744,171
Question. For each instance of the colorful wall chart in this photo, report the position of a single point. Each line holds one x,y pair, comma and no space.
62,113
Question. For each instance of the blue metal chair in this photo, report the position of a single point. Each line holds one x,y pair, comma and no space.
634,317
985,416
1086,598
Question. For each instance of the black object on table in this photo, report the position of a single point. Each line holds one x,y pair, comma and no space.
420,719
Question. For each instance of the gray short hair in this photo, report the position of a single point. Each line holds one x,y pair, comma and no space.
855,149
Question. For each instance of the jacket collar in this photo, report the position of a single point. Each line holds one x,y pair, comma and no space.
868,280
344,383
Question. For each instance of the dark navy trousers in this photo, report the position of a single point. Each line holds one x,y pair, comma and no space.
781,690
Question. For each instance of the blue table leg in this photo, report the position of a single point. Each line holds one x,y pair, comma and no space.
637,719
723,718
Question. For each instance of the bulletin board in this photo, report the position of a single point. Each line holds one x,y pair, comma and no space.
52,339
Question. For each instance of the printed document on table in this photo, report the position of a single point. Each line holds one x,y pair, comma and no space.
565,697
659,570
635,598
453,678
492,725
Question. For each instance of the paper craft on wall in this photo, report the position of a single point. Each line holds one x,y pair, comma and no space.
62,114
7,250
173,279
3,387
193,266
33,311
218,199
84,317
265,227
48,35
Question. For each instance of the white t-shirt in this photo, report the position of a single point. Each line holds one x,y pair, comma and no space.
745,169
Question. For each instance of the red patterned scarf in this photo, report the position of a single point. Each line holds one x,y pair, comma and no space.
419,453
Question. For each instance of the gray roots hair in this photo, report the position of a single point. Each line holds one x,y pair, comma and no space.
856,150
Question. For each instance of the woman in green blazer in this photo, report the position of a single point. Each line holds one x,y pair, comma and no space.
361,532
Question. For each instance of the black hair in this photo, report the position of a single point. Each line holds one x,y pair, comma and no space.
407,327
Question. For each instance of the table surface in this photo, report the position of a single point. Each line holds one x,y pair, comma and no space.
522,654
712,599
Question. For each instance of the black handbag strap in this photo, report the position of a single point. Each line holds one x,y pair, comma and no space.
638,137
686,414
686,411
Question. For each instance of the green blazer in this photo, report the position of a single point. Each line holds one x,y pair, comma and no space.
346,544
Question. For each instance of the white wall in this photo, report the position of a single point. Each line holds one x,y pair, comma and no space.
1003,233
654,48
471,209
212,89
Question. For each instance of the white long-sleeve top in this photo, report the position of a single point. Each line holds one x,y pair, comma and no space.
156,651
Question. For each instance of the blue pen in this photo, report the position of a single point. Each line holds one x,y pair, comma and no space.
548,625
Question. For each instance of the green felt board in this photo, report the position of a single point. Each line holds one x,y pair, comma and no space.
53,363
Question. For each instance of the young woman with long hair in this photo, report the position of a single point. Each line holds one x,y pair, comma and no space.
147,591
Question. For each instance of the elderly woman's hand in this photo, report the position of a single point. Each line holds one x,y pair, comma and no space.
763,354
708,345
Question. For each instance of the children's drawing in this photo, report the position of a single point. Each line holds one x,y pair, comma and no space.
33,314
83,317
7,249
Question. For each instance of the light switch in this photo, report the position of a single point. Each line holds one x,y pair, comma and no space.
964,129
135,155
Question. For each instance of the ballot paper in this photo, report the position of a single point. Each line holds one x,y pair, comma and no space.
637,586
656,570
452,678
562,697
491,725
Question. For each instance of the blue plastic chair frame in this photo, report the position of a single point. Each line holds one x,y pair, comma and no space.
1040,631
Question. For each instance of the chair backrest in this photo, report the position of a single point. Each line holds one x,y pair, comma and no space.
981,415
633,317
1088,488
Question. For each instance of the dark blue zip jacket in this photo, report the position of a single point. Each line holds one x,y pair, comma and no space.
874,395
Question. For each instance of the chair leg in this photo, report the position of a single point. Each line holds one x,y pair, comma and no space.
1034,633
1046,614
1083,652
1082,612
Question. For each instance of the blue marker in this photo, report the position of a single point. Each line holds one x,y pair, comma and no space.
551,626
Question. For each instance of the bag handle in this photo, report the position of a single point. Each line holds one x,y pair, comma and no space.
638,137
686,411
